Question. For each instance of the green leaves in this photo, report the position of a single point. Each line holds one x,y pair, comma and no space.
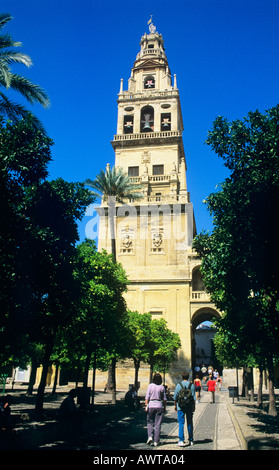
25,151
240,259
98,313
150,341
247,145
38,237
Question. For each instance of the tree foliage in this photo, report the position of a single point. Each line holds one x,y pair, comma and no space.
113,185
163,346
101,305
24,156
150,341
37,243
240,259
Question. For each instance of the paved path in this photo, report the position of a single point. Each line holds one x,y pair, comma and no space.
213,430
217,426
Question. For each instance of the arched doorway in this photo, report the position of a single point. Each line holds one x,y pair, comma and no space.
202,338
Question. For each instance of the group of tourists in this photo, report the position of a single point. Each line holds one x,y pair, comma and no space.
155,405
211,379
185,397
204,372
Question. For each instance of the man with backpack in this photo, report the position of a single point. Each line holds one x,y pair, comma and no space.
184,404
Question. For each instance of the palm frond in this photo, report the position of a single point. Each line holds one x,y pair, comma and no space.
15,112
5,76
114,183
4,19
7,41
14,57
92,184
33,93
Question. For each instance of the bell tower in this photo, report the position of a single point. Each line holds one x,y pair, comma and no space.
148,143
154,234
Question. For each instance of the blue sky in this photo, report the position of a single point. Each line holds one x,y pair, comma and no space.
224,53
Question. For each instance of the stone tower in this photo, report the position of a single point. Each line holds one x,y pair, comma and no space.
154,234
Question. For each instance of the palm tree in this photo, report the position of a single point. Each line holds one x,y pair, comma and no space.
9,80
114,186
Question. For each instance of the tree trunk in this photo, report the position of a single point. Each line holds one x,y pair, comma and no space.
265,379
272,403
251,384
151,373
93,379
32,379
78,375
245,383
111,385
55,377
42,385
86,369
111,214
137,366
260,389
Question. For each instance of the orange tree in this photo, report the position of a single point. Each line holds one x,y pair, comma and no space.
240,258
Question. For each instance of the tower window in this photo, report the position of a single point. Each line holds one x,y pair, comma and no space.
149,82
158,170
133,171
128,124
156,313
197,281
166,122
147,119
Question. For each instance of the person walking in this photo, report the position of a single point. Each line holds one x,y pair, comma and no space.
183,389
211,387
155,406
198,385
203,372
215,374
219,383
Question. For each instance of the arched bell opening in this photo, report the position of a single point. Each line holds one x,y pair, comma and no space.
147,119
149,81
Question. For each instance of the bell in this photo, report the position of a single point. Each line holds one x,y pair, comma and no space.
147,126
166,122
147,122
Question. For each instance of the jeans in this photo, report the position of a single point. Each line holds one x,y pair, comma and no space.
181,422
154,420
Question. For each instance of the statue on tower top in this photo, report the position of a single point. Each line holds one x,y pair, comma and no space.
152,28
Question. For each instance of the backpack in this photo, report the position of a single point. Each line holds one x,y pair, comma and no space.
185,397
